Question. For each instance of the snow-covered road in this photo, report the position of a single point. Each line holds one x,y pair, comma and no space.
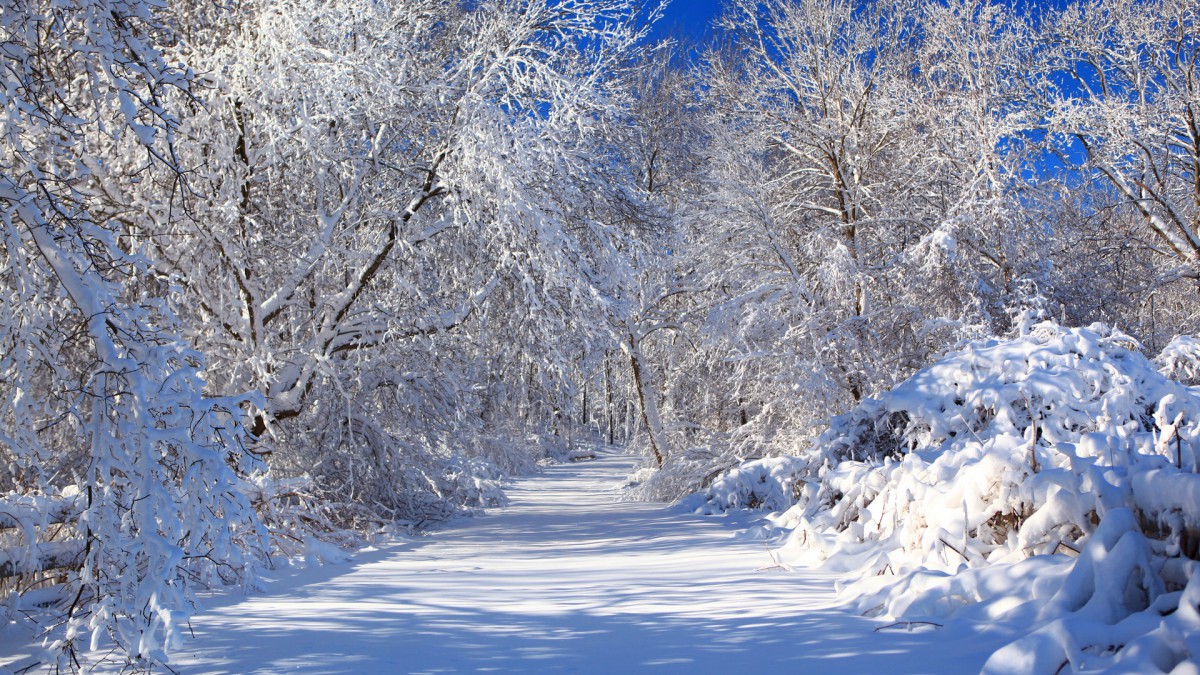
568,578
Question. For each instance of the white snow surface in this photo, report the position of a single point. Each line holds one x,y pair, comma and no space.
567,578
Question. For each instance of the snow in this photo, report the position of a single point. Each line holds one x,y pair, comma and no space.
567,578
1046,482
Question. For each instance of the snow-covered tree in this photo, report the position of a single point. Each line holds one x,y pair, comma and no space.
1126,106
381,197
1117,94
864,211
121,473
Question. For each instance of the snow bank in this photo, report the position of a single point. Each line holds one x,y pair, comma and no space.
1048,481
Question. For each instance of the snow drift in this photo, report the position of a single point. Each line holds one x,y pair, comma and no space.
1048,482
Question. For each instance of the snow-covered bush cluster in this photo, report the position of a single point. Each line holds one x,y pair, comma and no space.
1048,480
769,484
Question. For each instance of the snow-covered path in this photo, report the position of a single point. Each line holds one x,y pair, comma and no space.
568,578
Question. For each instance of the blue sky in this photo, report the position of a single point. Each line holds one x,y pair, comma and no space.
693,17
690,17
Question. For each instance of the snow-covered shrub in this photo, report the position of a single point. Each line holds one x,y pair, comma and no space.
682,471
299,524
368,471
1180,359
1055,471
471,482
768,483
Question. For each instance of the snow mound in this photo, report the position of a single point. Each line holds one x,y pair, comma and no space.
1048,482
768,483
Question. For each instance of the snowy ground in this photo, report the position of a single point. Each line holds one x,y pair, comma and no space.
568,578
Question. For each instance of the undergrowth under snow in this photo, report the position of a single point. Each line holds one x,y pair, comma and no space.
1048,482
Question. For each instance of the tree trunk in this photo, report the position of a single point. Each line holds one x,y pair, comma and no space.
608,404
646,397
